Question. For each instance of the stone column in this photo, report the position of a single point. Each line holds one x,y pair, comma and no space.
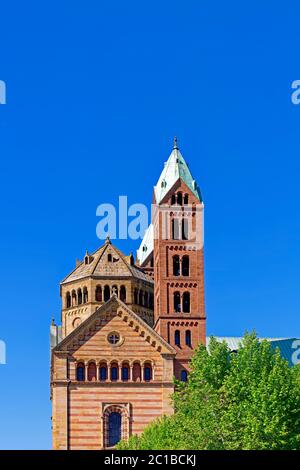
130,378
143,372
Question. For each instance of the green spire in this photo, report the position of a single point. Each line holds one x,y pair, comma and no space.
175,168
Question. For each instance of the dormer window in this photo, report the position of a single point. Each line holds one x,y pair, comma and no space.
87,257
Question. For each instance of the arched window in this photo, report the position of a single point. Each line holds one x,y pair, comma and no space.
175,229
85,295
173,199
74,298
183,376
98,294
136,372
179,199
123,293
147,372
186,199
146,300
114,428
103,372
109,258
141,295
125,373
151,301
176,265
79,294
106,293
135,295
177,306
68,300
186,302
188,338
177,338
92,372
80,372
185,229
114,372
185,265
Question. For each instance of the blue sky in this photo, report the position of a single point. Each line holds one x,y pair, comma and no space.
95,92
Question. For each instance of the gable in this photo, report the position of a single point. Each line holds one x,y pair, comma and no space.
116,266
114,315
94,344
179,184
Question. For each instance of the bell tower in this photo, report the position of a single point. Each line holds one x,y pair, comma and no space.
177,217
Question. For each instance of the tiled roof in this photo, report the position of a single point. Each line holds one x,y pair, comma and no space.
95,267
135,270
84,270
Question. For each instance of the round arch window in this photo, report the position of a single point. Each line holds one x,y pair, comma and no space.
76,322
114,338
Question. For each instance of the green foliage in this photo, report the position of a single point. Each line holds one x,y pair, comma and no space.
244,400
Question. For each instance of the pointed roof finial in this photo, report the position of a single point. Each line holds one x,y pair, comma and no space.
175,143
107,239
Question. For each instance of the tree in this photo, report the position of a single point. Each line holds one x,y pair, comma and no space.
244,400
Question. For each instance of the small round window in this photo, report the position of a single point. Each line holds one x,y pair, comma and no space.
113,338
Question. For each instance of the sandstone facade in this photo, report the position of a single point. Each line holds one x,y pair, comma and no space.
128,328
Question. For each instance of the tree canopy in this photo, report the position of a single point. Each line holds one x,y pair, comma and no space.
249,399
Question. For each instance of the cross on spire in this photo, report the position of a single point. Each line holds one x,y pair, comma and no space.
175,143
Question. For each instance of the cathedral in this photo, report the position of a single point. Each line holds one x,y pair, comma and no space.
128,327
